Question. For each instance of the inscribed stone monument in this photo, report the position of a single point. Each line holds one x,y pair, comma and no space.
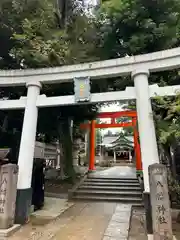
8,186
161,213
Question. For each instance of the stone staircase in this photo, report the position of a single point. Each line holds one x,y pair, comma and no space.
123,190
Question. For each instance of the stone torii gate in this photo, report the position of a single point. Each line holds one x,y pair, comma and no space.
139,67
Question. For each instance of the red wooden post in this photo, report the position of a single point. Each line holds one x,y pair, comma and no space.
137,148
92,146
113,121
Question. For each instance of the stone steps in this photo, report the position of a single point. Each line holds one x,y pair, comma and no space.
105,192
123,190
112,188
124,200
112,180
109,184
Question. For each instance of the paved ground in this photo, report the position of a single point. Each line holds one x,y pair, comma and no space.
116,172
88,221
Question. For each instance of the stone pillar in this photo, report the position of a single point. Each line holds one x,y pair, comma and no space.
87,146
130,157
8,187
71,129
58,159
58,155
149,150
76,145
114,156
26,154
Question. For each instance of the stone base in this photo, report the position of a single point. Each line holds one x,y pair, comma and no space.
92,170
139,173
79,169
148,212
150,237
140,179
6,223
5,233
23,205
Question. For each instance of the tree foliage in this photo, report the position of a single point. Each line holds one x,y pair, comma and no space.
167,116
138,26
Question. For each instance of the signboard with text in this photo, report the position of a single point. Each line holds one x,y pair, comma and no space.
82,89
8,186
161,213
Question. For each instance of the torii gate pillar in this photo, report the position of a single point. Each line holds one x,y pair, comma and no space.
92,146
149,150
137,148
26,154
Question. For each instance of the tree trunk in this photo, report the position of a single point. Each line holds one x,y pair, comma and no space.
65,144
169,160
63,7
164,154
176,157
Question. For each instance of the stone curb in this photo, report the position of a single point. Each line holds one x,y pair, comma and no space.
47,219
76,186
119,225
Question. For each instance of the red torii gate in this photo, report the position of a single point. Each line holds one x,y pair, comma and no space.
113,115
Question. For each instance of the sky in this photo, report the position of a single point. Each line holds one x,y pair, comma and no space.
111,108
90,2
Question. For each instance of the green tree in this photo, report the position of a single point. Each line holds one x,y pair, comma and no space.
167,118
138,26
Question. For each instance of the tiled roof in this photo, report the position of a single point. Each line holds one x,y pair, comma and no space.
118,141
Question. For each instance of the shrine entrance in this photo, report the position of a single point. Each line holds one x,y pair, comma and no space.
113,116
138,67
